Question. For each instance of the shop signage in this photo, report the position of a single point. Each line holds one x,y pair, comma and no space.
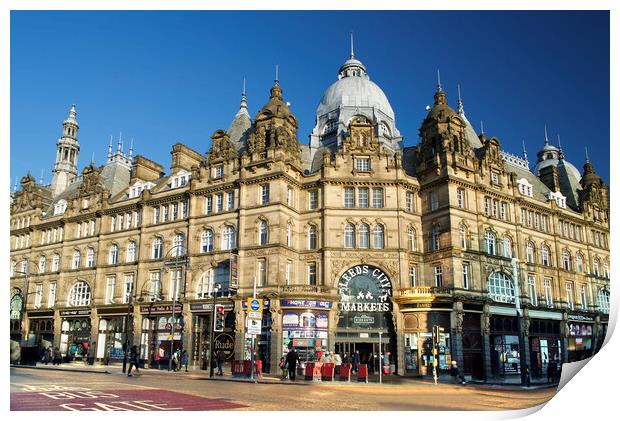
576,329
254,327
365,293
255,308
306,303
580,318
226,343
244,304
208,307
114,310
42,313
69,313
161,308
234,272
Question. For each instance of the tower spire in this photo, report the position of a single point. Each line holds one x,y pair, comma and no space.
587,157
546,138
244,99
352,51
41,177
277,81
561,153
460,109
120,142
438,81
110,148
524,151
131,149
481,126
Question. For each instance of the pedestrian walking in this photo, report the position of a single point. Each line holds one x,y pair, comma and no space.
175,361
337,362
91,353
57,356
185,359
291,360
221,359
551,372
133,361
526,371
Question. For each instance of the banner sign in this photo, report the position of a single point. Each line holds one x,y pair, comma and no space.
365,293
234,272
69,313
306,303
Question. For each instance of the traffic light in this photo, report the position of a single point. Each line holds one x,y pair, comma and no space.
218,325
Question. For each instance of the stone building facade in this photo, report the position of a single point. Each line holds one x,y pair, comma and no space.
354,241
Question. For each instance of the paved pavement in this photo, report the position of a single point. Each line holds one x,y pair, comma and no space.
92,388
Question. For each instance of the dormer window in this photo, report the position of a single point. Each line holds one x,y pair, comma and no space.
60,207
525,188
138,187
362,164
560,199
180,179
494,178
85,203
219,171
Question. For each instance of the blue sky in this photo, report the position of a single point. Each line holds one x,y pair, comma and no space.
163,77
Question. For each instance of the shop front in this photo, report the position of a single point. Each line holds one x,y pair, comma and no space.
305,326
262,343
545,345
473,360
365,324
41,329
75,337
505,352
157,343
201,330
580,337
111,333
418,322
17,303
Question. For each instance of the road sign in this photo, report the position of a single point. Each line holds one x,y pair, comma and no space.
255,308
254,327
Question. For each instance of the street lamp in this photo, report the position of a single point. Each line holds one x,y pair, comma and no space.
216,288
522,350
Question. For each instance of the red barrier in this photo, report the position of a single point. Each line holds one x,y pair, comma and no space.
362,373
259,367
313,371
345,373
309,373
327,372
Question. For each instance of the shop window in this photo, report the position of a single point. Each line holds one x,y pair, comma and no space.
501,288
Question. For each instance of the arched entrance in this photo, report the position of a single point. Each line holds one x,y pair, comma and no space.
365,323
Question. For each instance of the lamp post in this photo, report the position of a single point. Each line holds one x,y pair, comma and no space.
216,288
522,350
129,303
25,294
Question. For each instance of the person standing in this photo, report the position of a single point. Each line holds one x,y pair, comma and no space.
221,358
184,359
291,360
57,356
337,362
356,360
133,361
175,361
283,368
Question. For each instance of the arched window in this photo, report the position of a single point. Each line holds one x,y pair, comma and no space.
312,243
579,261
55,262
501,288
113,256
90,257
263,233
75,263
412,239
228,238
131,251
566,260
178,245
545,256
364,233
434,239
205,285
603,300
349,236
41,264
289,235
157,248
79,295
378,237
489,239
463,236
596,266
529,252
206,241
506,246
330,127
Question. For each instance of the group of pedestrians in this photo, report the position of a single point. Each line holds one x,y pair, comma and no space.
51,355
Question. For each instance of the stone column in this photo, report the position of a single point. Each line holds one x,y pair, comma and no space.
400,339
486,343
276,335
525,325
187,330
456,324
239,329
564,336
57,328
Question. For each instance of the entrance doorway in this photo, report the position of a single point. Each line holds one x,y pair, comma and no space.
368,351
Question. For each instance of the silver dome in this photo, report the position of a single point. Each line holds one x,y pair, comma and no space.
354,92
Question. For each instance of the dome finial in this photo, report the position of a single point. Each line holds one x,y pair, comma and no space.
587,157
438,81
481,127
244,99
277,81
561,152
352,51
460,109
546,138
131,149
524,152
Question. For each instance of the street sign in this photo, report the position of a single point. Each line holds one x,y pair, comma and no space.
254,327
234,272
255,308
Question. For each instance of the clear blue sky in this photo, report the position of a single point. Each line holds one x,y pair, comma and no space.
163,77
